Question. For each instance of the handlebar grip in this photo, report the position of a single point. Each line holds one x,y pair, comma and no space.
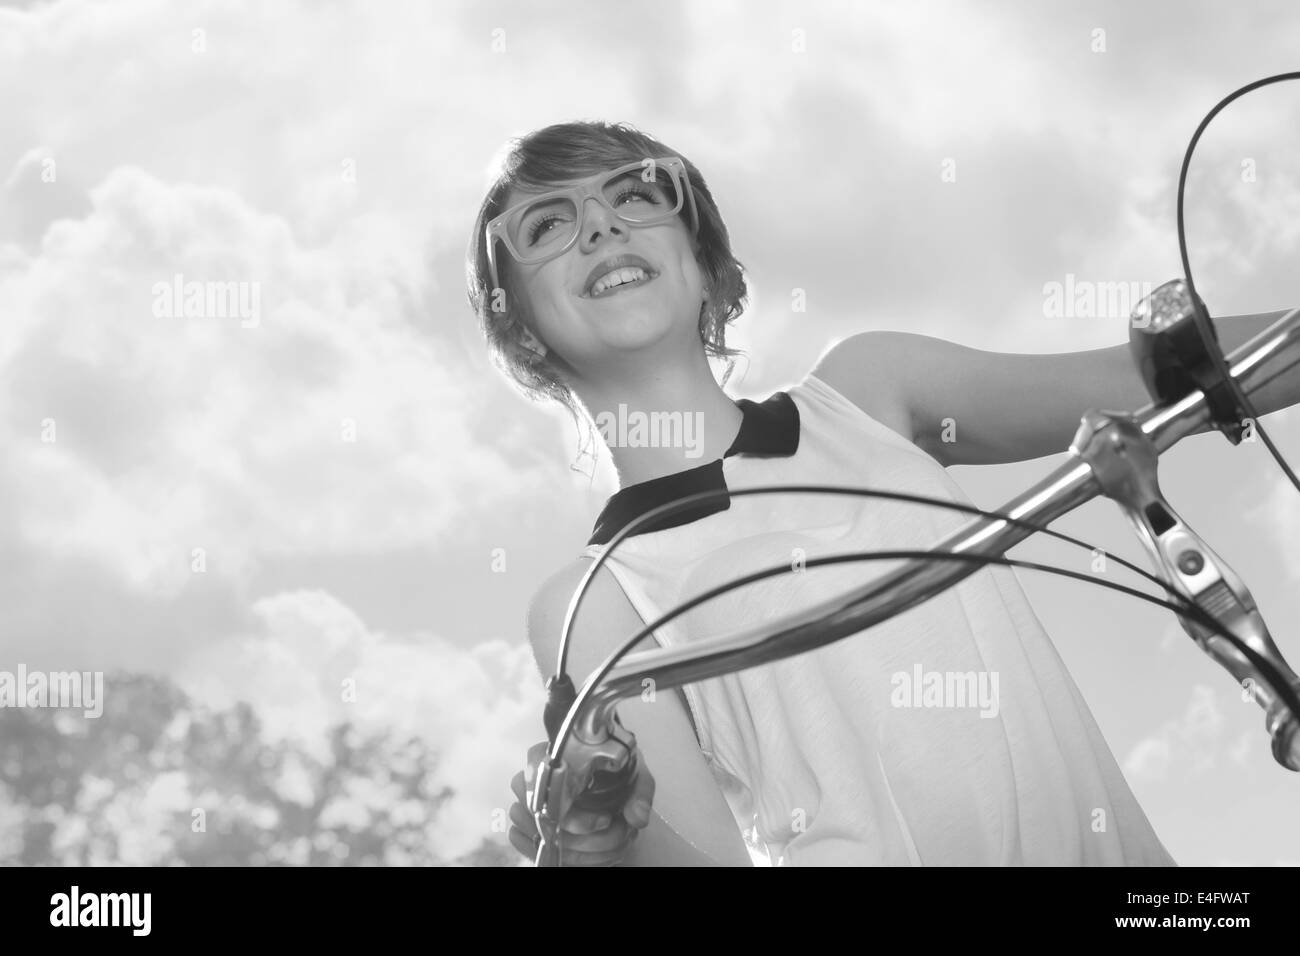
607,790
1284,728
610,790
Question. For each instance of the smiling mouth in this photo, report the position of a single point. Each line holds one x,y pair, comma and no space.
623,287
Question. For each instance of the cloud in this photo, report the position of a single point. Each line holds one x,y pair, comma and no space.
1191,742
330,425
1245,745
1276,517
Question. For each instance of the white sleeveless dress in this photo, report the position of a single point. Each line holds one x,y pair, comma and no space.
850,755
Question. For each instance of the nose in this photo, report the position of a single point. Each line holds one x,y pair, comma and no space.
597,219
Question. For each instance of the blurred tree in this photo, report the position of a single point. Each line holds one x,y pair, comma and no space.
159,780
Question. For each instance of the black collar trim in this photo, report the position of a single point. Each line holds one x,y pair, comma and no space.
767,429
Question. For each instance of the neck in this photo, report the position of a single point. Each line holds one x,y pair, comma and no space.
662,418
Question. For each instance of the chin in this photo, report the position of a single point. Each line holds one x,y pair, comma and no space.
635,327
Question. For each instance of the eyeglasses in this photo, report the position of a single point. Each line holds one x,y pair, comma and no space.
640,194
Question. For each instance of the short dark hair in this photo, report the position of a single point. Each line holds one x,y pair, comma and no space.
547,158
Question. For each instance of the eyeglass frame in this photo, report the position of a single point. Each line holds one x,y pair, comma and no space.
579,192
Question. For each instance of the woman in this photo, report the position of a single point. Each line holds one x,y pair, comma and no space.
603,276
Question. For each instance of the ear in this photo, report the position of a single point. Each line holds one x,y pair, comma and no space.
533,343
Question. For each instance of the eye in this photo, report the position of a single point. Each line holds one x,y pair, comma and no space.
646,193
541,225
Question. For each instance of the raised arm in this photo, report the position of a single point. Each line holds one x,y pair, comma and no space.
966,406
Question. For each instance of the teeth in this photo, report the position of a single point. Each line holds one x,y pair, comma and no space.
618,277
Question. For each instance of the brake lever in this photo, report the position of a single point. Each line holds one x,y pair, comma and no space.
1124,460
594,771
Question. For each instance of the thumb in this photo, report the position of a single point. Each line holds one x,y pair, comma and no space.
637,810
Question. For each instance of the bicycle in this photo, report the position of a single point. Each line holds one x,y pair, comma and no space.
592,758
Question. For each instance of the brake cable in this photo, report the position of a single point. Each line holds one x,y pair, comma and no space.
681,504
1185,608
1200,317
563,701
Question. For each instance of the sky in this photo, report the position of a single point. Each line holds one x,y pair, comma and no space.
348,487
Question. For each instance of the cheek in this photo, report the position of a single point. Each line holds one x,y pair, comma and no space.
692,276
545,307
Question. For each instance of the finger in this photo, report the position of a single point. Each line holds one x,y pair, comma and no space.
517,786
524,843
521,818
637,810
571,856
577,822
536,754
537,750
615,837
579,858
581,822
527,847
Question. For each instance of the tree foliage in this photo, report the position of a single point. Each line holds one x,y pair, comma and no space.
161,780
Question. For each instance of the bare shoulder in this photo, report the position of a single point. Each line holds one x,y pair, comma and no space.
872,369
605,618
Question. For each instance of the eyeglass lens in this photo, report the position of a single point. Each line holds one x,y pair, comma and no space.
550,221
